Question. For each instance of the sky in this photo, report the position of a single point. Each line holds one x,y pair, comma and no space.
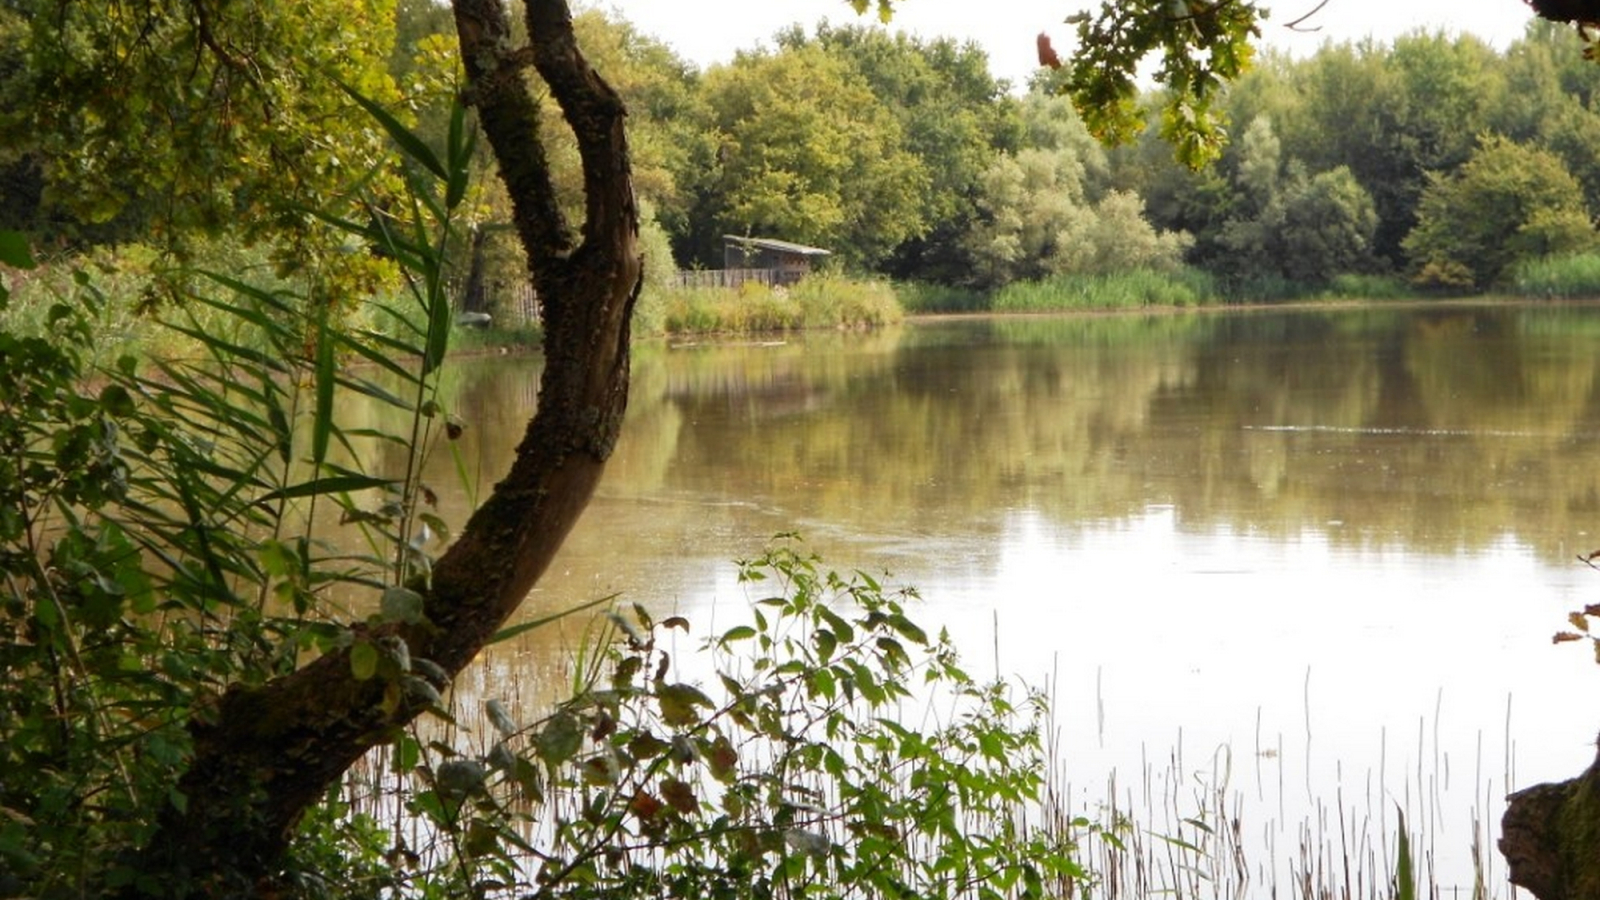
710,31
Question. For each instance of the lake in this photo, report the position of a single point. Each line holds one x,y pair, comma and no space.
1307,560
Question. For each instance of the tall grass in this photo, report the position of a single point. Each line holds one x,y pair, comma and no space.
1558,277
818,301
1125,290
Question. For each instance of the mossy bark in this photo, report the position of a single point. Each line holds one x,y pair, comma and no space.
264,754
1550,837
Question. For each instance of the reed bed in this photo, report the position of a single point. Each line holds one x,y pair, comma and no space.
1237,826
817,301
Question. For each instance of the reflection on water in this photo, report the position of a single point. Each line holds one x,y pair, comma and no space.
1333,542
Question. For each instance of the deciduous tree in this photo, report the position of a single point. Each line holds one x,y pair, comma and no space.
1509,202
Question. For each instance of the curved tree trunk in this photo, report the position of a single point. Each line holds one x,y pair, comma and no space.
264,754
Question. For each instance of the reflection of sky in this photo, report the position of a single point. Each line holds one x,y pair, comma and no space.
1383,675
1298,671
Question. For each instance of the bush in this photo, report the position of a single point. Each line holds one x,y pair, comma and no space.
798,763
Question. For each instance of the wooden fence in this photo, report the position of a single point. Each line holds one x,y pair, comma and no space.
518,303
732,278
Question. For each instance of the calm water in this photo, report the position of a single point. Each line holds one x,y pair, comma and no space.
1317,555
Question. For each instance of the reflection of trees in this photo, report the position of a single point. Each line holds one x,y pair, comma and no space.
1436,430
1440,430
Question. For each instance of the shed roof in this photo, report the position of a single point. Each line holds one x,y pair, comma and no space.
776,245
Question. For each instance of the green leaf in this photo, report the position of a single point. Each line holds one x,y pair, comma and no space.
459,149
908,629
333,484
1405,886
506,634
116,401
326,379
364,658
678,702
409,142
560,739
737,633
14,250
400,604
841,628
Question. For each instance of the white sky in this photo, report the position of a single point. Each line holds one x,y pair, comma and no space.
709,31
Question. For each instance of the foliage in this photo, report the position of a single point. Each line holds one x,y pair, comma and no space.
1038,221
152,119
795,764
1508,203
955,117
201,526
1201,47
1307,230
805,152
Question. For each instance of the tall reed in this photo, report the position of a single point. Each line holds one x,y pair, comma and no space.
1123,290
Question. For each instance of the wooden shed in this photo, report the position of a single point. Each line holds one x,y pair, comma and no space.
788,262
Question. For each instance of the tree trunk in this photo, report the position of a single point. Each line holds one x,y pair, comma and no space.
1550,837
264,754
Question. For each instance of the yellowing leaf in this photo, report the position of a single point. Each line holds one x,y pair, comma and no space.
363,660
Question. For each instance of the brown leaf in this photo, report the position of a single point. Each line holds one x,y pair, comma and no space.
644,806
1562,637
1047,53
680,796
1578,621
676,622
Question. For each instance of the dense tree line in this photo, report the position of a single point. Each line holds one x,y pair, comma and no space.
1435,157
908,158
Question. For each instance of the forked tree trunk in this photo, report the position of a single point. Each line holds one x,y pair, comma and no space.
264,754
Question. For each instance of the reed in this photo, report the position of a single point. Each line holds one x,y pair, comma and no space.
924,298
1124,290
818,301
1566,277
